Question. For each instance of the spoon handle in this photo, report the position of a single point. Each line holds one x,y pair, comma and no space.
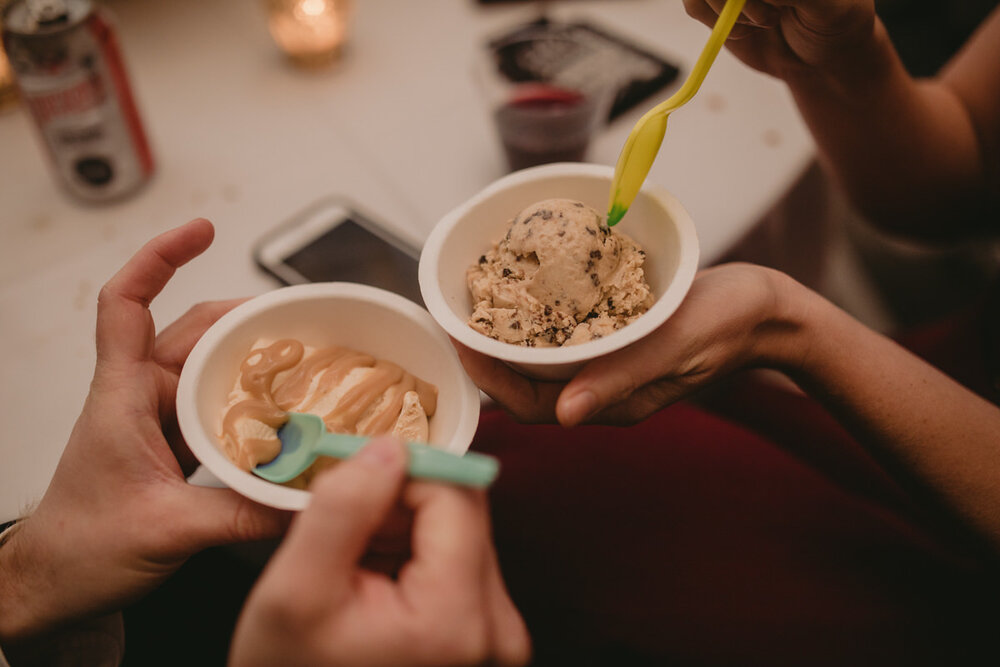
643,143
425,462
470,469
720,32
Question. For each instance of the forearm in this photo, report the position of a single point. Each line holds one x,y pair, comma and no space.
905,151
915,419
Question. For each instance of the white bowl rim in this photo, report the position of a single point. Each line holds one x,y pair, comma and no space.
206,450
665,305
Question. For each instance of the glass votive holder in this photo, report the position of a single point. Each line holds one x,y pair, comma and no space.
311,32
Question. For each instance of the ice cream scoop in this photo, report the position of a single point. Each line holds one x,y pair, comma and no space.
558,276
644,141
353,392
304,438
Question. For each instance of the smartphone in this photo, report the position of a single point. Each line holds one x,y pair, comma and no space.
333,241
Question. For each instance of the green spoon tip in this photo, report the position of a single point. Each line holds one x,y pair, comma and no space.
616,213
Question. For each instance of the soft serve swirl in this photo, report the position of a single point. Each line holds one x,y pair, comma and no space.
351,391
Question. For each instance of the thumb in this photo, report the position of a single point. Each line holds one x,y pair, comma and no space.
213,517
609,380
349,504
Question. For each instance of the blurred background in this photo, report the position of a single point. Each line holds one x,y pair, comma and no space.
301,52
255,109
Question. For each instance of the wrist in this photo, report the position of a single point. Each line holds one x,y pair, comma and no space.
37,626
7,530
18,618
787,333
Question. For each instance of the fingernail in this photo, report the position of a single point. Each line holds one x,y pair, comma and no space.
381,452
578,406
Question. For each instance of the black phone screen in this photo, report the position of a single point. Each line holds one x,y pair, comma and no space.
351,253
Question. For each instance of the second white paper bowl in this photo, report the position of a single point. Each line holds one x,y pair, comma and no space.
380,323
656,220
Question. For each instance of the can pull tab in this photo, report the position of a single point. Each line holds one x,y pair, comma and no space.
47,12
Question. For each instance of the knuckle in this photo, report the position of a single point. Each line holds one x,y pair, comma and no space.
198,309
451,638
464,642
514,647
285,614
105,296
473,643
245,525
202,311
628,383
251,522
104,293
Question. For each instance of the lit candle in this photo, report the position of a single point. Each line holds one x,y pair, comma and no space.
311,32
8,87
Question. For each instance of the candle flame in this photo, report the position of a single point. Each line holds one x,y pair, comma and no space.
313,7
310,31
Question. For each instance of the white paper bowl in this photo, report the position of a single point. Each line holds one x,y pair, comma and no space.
656,220
364,318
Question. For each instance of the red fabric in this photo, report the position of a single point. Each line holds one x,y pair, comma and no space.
696,540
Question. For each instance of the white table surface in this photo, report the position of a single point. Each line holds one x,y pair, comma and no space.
246,140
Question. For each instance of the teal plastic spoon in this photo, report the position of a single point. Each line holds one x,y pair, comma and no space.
643,143
304,438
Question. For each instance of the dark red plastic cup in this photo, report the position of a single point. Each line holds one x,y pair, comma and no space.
542,109
541,123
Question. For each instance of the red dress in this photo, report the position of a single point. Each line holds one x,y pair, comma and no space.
762,535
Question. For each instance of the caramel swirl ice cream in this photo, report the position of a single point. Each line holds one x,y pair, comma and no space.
352,392
559,276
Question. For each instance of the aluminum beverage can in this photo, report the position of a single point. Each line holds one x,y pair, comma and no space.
69,68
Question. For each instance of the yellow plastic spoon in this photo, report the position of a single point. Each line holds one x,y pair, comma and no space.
643,143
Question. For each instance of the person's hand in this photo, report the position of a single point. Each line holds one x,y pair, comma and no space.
730,319
317,604
779,37
118,516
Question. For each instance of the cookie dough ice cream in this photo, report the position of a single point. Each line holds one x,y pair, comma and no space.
559,276
351,391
